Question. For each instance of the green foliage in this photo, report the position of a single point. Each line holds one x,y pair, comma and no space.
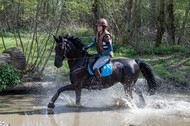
123,50
169,72
166,50
162,71
8,76
80,31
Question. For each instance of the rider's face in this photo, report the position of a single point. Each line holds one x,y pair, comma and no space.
99,28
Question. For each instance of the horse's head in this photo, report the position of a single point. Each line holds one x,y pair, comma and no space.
69,47
60,51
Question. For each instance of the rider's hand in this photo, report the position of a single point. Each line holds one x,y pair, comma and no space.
85,48
97,55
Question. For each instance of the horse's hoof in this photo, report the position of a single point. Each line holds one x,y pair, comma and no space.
51,105
79,105
90,89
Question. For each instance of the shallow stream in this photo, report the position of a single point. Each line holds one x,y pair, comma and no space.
107,107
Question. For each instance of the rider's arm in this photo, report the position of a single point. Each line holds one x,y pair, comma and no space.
110,48
92,45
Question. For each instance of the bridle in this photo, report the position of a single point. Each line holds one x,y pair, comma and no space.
65,44
66,47
63,48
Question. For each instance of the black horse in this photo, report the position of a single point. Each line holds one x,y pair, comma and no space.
124,70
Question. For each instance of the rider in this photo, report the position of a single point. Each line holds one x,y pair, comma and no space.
103,44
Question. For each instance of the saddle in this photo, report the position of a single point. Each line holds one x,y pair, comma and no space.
105,70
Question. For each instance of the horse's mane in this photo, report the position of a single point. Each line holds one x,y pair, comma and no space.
75,40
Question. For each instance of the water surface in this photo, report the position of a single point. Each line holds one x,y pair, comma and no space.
107,107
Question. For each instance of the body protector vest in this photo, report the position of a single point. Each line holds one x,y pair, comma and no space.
103,41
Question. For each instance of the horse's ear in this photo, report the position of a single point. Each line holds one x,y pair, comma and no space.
60,38
55,38
67,35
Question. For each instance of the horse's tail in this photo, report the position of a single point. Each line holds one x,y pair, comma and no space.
149,75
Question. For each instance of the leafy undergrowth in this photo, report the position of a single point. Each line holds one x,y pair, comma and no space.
169,63
175,67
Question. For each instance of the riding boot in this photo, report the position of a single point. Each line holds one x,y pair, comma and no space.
98,79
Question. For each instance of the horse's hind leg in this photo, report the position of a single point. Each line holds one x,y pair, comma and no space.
128,90
138,91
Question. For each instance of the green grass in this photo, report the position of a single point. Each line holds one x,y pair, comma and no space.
167,50
169,67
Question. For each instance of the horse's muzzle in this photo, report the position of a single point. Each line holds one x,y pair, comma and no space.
58,65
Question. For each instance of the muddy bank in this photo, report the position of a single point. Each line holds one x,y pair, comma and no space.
37,87
164,86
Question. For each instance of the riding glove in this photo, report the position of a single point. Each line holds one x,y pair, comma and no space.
85,48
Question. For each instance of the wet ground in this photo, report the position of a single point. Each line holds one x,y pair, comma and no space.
107,107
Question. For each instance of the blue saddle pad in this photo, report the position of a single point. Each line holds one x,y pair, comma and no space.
106,70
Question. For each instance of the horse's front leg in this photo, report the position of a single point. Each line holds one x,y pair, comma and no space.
78,97
56,95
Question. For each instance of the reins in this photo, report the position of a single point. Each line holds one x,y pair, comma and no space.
67,47
91,57
80,58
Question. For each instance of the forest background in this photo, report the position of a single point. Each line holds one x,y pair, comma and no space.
157,31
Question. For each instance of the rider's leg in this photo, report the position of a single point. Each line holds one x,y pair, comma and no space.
98,77
99,63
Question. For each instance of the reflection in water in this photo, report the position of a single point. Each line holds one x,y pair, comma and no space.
52,120
99,110
76,119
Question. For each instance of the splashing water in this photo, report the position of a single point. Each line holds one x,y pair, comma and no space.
105,107
160,109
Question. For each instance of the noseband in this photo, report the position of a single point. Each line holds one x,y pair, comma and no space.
63,49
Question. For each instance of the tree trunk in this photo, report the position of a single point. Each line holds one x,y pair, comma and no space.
129,11
15,39
3,40
126,30
134,15
183,26
160,26
129,19
153,13
34,34
170,26
52,47
138,14
95,7
20,40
